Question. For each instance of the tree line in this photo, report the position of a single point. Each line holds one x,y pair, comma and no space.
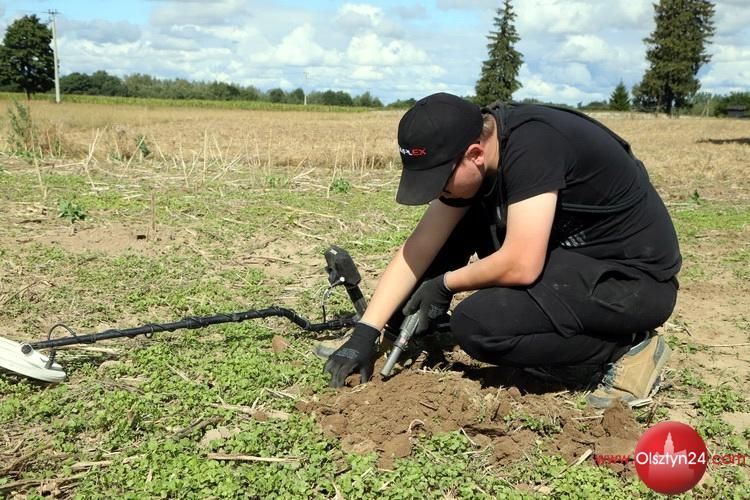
140,85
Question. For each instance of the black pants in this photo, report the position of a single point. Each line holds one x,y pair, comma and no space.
581,311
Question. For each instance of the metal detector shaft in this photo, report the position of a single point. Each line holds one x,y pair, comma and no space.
197,322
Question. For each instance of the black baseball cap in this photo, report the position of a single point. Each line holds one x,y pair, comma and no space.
431,136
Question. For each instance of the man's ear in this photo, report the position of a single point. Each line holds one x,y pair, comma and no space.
475,153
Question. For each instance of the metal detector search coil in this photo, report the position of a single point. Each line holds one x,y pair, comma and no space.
24,360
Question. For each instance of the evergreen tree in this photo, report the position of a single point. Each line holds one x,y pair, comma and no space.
619,100
26,58
676,50
500,70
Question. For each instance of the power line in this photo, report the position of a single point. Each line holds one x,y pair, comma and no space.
32,11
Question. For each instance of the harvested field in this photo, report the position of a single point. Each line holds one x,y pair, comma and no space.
182,212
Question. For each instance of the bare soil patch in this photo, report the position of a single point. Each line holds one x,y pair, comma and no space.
505,423
112,238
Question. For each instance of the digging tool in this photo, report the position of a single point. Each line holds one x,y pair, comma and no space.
401,342
408,327
24,358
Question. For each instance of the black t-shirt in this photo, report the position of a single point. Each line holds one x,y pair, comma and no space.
607,207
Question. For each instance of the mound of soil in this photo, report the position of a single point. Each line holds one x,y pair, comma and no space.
388,416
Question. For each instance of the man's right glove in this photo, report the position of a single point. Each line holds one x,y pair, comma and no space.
359,351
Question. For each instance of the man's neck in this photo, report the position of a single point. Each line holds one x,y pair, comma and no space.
493,159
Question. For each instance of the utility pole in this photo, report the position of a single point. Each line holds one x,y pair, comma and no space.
52,14
305,102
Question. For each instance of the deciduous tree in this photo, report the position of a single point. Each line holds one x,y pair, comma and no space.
26,58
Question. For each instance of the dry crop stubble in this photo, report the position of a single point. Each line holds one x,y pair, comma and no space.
684,155
359,140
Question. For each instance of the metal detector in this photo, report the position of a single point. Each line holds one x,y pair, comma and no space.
24,358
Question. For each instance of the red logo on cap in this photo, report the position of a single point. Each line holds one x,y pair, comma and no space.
414,151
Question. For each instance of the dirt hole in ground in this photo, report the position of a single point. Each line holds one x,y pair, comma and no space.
504,423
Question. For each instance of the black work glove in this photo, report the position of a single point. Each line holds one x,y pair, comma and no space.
432,301
359,351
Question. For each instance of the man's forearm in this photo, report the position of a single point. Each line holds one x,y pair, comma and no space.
520,260
496,269
392,290
411,261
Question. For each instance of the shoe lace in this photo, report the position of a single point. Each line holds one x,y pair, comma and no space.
608,380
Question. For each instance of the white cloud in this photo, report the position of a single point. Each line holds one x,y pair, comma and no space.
368,49
730,53
637,13
733,16
729,71
590,48
574,74
367,73
359,16
100,31
298,48
535,87
581,16
410,11
216,13
466,4
554,17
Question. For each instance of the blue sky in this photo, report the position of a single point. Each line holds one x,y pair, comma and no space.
574,51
